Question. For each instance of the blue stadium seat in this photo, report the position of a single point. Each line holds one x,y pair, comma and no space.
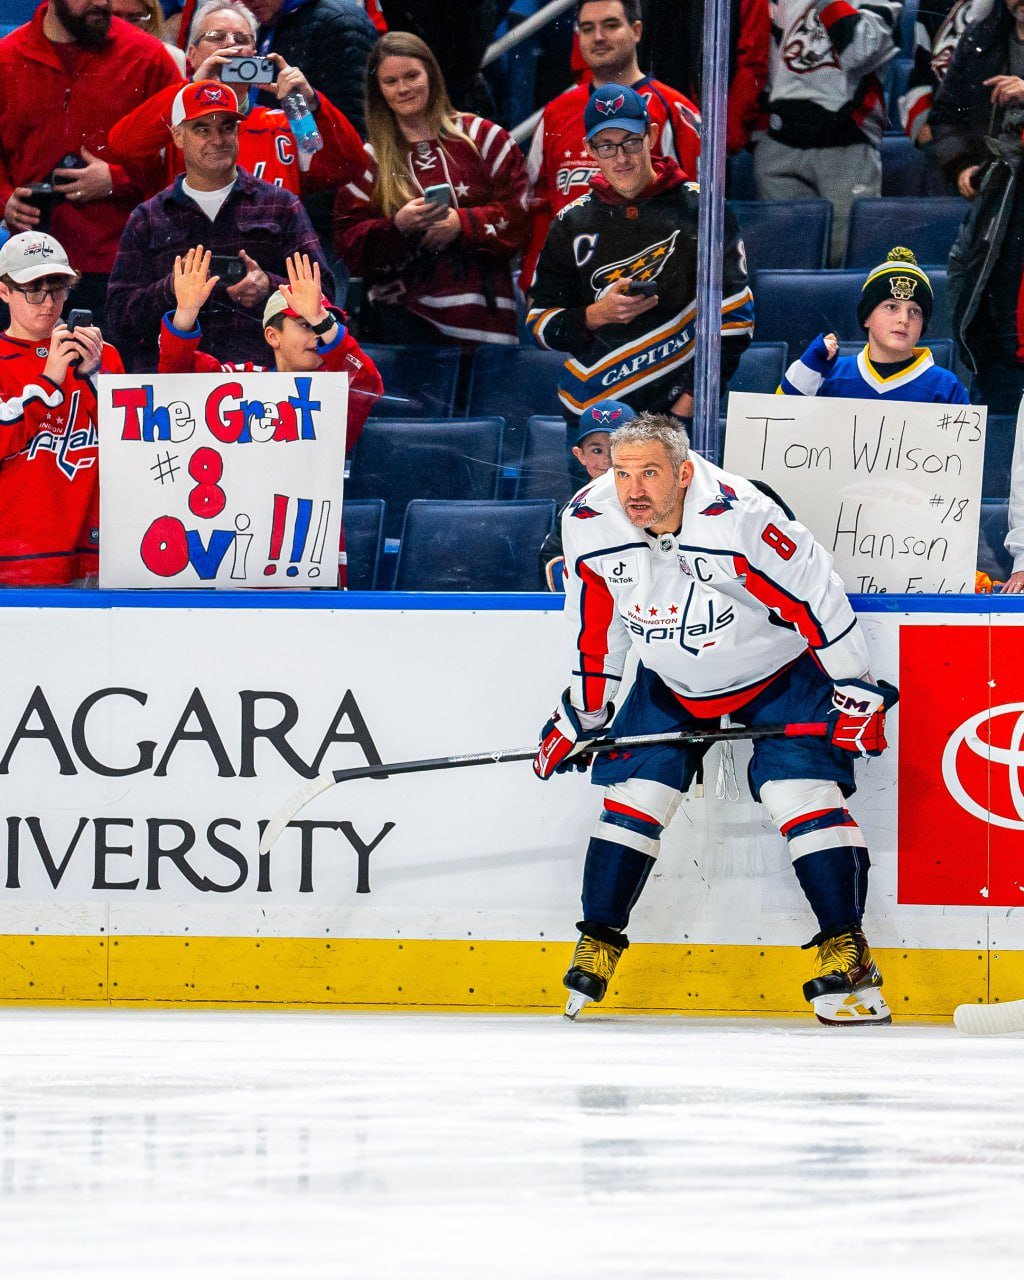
543,469
905,38
472,546
1000,431
795,306
427,458
896,87
419,381
739,177
927,225
364,536
942,349
993,558
784,234
761,368
515,382
904,167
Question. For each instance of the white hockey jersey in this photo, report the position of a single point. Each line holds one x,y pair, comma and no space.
716,610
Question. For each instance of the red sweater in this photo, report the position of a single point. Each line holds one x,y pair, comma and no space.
49,469
266,147
56,99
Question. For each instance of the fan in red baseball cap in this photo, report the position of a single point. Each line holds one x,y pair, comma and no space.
203,98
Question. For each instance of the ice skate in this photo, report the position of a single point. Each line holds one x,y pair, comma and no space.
846,988
593,963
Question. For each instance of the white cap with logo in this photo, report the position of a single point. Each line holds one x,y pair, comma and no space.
32,255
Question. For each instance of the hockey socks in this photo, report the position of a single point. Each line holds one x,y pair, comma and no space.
615,872
835,883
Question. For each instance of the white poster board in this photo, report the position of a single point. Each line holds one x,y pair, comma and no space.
221,479
891,489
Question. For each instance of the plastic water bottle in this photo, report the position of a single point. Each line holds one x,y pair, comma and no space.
303,124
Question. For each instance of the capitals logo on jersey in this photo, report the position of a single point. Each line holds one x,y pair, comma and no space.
73,448
723,503
807,47
648,264
578,507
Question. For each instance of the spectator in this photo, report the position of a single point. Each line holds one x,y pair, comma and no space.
592,450
49,483
559,164
825,103
436,269
65,78
937,31
217,204
895,307
303,330
617,279
148,16
673,45
976,123
266,147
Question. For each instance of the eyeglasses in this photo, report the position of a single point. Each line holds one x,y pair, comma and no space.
607,150
228,37
38,296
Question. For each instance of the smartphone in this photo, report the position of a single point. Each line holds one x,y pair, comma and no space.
642,289
248,69
441,194
44,195
79,318
229,268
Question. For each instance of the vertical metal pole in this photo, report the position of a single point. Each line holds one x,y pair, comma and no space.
708,355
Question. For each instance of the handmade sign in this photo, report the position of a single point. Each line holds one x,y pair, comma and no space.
221,480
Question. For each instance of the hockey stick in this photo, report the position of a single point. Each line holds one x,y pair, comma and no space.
324,781
989,1019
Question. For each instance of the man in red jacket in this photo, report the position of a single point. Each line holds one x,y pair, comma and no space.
49,491
305,333
559,164
65,78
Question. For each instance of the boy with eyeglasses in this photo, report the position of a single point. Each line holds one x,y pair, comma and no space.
49,481
617,279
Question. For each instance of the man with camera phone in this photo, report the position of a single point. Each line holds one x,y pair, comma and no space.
217,204
49,490
65,78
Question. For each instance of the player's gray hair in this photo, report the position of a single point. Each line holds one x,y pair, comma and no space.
202,14
655,428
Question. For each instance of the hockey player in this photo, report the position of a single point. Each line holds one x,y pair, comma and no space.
895,307
559,163
733,609
303,331
49,490
617,280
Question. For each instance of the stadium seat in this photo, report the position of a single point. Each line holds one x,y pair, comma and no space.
364,537
419,381
784,234
543,470
760,369
472,546
1000,432
896,87
427,458
908,18
927,225
904,167
795,306
515,382
942,349
993,558
739,177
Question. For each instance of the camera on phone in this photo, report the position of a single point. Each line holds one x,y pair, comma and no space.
248,69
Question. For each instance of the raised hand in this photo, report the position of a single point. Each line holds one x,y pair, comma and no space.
303,292
193,285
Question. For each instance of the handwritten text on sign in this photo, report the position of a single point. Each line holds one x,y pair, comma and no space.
221,480
891,489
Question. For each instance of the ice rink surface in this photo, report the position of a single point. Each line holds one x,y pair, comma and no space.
252,1144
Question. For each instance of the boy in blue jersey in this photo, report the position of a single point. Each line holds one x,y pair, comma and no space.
895,307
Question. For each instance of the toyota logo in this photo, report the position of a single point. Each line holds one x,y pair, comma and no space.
967,741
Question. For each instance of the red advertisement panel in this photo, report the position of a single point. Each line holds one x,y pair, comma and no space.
961,766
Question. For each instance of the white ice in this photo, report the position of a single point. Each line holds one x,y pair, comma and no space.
251,1144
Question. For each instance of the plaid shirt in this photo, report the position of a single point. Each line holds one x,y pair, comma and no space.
267,222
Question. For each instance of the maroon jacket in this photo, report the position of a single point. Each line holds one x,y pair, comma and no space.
49,110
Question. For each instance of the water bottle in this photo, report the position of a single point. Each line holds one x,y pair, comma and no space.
303,124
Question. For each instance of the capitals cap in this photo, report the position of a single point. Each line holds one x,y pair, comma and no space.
277,305
615,106
203,98
32,255
606,415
